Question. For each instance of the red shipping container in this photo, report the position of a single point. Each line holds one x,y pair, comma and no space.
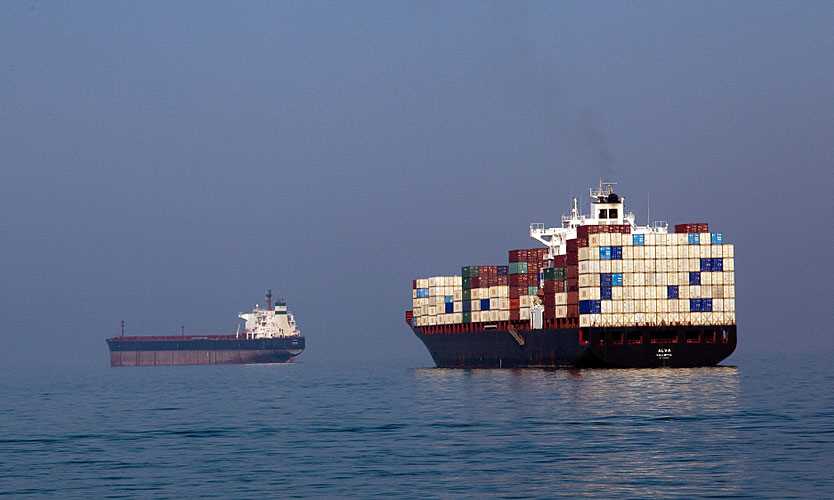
573,272
573,298
515,303
475,282
515,315
558,286
699,227
560,261
413,284
502,280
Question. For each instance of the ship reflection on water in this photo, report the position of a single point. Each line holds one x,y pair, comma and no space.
595,432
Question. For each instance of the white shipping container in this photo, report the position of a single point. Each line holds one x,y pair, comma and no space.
561,311
639,292
616,239
729,278
617,293
605,239
503,315
706,278
595,266
729,291
729,264
639,252
628,252
649,239
593,241
525,301
604,266
649,265
561,298
585,320
585,267
524,313
584,253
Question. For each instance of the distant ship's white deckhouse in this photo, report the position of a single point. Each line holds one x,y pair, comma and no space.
270,322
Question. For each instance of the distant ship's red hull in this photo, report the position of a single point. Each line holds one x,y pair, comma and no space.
202,350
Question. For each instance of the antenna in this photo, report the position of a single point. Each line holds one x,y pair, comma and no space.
269,298
123,328
182,331
648,209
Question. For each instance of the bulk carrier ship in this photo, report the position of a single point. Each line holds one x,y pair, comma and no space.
601,291
269,335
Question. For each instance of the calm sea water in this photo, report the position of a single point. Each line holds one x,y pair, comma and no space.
762,428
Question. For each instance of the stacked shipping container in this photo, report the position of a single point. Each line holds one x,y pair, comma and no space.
656,279
608,277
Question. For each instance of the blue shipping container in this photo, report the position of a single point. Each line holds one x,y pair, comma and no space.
450,307
638,239
717,238
695,305
503,270
484,304
706,265
448,299
694,278
422,293
590,307
672,292
616,253
604,253
605,279
605,293
617,279
717,264
694,239
467,306
706,305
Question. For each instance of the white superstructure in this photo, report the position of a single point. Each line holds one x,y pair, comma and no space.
270,322
607,208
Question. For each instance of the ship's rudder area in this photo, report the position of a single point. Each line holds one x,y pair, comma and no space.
673,346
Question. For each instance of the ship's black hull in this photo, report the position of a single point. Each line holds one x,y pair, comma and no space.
208,350
647,347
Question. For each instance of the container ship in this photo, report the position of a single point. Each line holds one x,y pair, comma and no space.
269,335
599,291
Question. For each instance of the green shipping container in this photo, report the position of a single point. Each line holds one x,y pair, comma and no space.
532,290
467,294
467,317
555,273
467,283
470,271
518,268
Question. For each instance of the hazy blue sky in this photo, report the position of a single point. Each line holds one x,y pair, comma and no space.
165,162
